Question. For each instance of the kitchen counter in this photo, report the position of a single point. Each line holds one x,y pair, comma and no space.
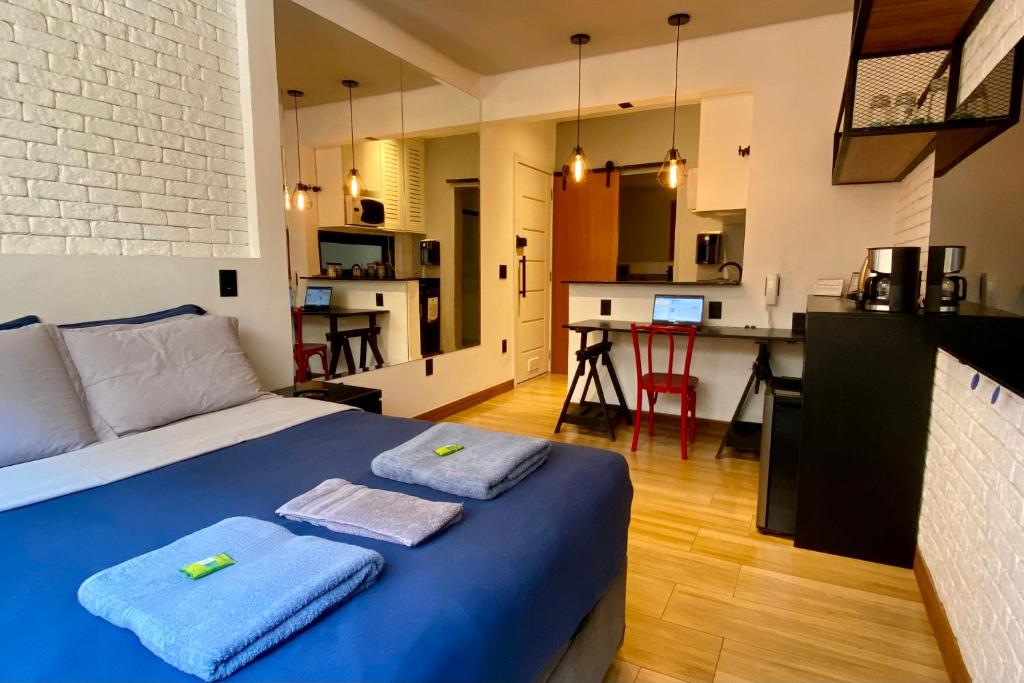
987,338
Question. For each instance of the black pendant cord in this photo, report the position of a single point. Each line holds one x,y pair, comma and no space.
298,150
675,91
579,91
352,126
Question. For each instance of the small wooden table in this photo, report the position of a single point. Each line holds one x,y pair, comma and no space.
739,435
340,339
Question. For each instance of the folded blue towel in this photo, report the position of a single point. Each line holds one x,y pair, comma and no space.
213,626
489,464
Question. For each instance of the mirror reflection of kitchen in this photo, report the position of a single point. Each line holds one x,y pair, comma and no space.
691,235
403,241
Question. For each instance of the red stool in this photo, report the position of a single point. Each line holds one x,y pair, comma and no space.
303,352
654,383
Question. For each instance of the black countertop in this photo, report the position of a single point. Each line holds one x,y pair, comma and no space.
758,334
988,339
659,283
360,279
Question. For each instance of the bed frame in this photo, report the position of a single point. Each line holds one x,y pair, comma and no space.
591,650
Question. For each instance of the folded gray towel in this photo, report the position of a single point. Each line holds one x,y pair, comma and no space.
489,464
385,515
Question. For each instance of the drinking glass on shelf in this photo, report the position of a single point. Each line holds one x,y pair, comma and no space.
881,111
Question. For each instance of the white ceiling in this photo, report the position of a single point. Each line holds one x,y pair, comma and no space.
494,36
314,55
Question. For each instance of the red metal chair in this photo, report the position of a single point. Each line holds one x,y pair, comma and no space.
303,352
654,383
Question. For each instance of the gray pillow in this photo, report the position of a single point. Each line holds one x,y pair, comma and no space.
40,414
144,377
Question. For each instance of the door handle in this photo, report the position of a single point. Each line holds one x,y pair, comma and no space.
522,276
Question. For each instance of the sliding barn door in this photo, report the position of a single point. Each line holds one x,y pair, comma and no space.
585,247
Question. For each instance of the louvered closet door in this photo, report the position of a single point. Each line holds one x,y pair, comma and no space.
391,182
414,199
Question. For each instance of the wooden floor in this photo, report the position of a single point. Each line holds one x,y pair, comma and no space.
711,599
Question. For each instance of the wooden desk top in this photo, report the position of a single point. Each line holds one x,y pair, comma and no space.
757,334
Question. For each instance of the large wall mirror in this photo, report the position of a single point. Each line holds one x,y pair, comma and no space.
405,242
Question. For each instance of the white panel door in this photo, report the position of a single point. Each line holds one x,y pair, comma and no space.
532,223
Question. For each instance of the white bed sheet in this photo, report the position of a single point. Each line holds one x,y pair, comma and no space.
109,461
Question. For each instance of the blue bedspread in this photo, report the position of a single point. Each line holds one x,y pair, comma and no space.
491,599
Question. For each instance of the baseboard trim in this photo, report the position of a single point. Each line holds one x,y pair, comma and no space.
461,404
948,645
704,425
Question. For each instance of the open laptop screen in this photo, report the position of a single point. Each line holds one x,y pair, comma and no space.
678,309
318,297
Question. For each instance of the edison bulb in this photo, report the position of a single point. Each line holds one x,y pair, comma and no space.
673,170
287,199
300,200
353,183
578,166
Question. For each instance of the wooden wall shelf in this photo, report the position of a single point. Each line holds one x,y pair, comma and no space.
901,98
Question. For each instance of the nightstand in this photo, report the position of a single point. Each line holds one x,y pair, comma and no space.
357,397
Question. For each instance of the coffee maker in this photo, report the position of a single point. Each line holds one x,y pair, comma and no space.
894,279
944,289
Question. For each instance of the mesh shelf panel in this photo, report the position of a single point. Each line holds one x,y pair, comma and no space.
992,97
901,90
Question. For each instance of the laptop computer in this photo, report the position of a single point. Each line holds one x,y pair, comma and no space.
317,299
678,309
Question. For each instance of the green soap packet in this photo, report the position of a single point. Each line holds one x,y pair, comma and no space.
448,450
197,570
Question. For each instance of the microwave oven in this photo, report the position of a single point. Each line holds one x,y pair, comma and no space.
363,211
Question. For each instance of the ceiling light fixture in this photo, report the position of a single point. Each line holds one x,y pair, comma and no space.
673,169
353,183
578,165
298,199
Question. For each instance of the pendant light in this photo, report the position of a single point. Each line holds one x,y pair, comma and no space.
353,183
673,169
578,167
298,199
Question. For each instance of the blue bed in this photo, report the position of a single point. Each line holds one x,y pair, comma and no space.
493,598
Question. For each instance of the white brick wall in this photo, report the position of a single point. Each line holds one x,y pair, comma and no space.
971,531
996,34
914,206
120,128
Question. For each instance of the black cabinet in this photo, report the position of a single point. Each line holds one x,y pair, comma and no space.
780,456
867,402
867,395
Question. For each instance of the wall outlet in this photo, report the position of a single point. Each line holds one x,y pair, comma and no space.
429,365
606,306
504,345
379,298
714,310
228,283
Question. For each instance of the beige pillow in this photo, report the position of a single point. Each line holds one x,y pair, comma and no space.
144,377
40,413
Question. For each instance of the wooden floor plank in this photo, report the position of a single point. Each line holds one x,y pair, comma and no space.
670,649
647,595
709,597
824,599
862,651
